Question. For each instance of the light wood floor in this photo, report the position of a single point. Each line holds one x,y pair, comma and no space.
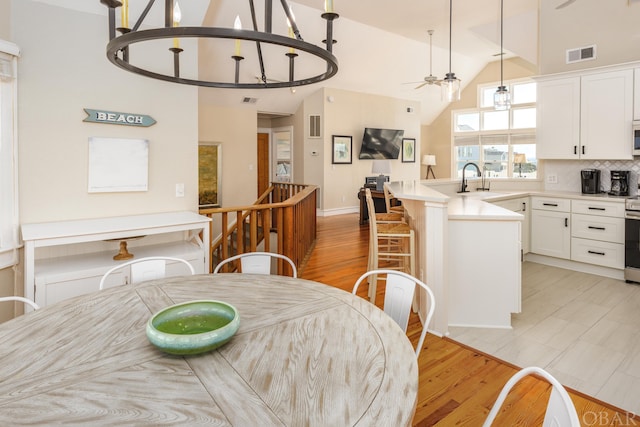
458,384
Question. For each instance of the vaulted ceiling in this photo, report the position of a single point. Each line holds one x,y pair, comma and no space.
382,48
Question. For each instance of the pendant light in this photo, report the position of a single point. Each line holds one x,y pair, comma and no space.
502,97
450,85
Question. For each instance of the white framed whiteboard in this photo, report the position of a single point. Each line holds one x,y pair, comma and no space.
118,165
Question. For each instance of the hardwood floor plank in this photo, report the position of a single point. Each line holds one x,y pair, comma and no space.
458,385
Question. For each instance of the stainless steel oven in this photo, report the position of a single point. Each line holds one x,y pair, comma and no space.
632,240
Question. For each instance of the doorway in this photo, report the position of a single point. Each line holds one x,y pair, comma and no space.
263,163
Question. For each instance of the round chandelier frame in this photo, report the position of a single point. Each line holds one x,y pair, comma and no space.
118,47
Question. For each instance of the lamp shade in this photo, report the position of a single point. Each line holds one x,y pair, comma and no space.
429,160
381,166
519,158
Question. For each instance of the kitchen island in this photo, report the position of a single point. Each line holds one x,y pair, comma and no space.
468,252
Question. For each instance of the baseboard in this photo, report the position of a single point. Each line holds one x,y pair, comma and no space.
338,211
598,270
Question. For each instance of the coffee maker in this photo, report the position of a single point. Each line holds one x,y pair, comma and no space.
590,181
619,183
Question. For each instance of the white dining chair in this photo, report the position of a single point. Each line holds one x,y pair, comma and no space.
256,263
560,410
21,299
147,268
398,299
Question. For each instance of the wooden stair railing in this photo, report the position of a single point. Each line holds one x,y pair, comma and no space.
288,210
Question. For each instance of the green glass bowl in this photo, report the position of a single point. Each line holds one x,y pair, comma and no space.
193,327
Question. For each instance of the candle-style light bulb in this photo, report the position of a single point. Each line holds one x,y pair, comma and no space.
177,17
124,19
237,25
328,6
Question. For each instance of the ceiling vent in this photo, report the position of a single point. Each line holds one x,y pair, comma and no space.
580,54
248,100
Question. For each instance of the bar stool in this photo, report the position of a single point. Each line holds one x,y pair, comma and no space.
392,243
387,201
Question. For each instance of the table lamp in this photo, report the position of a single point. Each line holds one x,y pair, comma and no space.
519,159
380,167
429,160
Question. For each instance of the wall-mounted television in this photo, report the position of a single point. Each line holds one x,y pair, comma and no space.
381,143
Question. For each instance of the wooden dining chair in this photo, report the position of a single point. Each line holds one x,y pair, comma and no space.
391,246
560,411
255,263
27,301
147,268
398,299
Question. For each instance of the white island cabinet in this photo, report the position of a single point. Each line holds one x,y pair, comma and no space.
68,258
468,252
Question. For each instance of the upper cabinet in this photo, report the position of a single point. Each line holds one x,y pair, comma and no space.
586,116
636,94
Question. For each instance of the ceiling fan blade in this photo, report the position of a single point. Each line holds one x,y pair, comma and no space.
423,84
565,4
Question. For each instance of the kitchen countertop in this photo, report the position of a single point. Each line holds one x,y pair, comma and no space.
477,205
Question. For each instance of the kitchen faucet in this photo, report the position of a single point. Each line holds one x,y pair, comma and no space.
463,188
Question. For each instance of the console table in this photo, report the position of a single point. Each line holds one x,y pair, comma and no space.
64,259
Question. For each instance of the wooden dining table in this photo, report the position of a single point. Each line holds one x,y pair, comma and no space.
306,354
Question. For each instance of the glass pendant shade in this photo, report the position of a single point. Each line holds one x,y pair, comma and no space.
450,88
502,99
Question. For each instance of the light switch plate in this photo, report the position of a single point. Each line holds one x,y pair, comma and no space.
179,190
552,178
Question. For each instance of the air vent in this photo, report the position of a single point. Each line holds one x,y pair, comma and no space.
314,126
248,100
581,54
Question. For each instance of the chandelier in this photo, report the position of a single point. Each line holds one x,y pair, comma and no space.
124,36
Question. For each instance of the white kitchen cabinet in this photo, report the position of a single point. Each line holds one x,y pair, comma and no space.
558,118
636,94
68,258
586,116
606,113
522,206
550,227
597,233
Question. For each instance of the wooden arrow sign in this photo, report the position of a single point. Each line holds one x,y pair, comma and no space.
117,118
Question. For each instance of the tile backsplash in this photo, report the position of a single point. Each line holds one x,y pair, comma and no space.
568,173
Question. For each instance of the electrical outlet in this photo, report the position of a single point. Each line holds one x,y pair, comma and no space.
552,178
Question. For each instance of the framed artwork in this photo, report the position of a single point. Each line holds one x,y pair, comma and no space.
408,150
341,147
118,165
209,174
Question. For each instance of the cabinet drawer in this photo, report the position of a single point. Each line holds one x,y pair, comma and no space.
551,204
599,253
603,228
598,208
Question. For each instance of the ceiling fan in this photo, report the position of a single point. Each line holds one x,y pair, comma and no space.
565,4
266,81
430,79
568,2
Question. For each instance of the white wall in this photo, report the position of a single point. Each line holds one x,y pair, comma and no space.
611,25
347,114
63,69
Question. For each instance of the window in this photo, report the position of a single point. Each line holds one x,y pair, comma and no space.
8,149
496,140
